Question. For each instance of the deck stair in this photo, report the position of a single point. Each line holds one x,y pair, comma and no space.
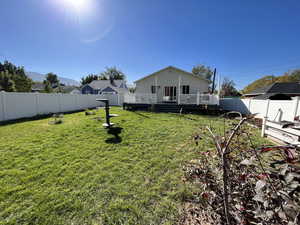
168,107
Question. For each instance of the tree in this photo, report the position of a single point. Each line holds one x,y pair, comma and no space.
48,86
6,83
292,76
88,79
53,79
102,77
262,82
204,71
21,82
228,88
112,73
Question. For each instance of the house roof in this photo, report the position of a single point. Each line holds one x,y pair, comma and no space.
38,87
174,68
100,84
284,88
117,85
68,89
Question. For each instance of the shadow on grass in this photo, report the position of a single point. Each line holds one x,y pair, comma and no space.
140,114
114,131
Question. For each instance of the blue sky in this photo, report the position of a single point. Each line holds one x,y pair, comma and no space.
243,39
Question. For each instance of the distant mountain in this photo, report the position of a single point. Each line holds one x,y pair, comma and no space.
37,77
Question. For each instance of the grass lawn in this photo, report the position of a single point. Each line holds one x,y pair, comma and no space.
77,173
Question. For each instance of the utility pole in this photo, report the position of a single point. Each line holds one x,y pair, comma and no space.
214,79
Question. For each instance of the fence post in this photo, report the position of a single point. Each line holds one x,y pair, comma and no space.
198,98
263,129
37,103
296,104
249,106
59,102
2,95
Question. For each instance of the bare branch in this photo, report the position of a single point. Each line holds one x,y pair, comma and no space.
217,144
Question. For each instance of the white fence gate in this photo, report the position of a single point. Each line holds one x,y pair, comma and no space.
15,105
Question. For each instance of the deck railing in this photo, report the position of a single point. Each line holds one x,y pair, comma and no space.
140,98
188,99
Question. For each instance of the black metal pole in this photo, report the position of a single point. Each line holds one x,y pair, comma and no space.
107,112
214,80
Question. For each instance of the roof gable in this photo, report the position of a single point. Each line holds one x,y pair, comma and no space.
108,89
172,68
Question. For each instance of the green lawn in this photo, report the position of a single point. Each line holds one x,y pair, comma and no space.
77,173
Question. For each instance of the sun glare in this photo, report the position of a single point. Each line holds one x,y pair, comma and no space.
79,6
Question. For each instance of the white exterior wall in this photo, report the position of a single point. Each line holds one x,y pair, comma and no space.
170,77
22,105
289,108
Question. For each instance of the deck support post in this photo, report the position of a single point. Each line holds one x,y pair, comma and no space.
198,97
265,119
296,103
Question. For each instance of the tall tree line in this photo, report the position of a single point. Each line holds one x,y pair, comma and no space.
291,76
13,78
110,73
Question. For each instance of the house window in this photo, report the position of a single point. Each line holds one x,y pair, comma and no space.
153,89
185,89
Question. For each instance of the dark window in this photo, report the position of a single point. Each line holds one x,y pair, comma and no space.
153,89
185,89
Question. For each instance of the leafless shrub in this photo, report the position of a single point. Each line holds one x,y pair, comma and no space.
240,183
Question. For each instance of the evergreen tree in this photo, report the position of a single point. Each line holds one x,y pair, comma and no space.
48,86
112,73
52,79
6,82
21,82
88,79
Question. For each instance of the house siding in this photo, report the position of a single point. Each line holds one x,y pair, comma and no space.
170,77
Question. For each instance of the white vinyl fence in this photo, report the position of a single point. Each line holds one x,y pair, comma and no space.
275,110
15,105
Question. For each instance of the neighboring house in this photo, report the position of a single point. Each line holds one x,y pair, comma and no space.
40,87
37,87
67,89
105,87
276,91
171,84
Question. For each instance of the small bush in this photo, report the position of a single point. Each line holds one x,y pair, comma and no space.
57,119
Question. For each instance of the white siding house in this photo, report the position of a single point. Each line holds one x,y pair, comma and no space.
172,85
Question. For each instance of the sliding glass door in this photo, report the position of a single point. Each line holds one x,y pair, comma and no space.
170,93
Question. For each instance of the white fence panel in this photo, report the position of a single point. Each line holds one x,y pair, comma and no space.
276,110
21,105
286,107
235,104
68,103
47,103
